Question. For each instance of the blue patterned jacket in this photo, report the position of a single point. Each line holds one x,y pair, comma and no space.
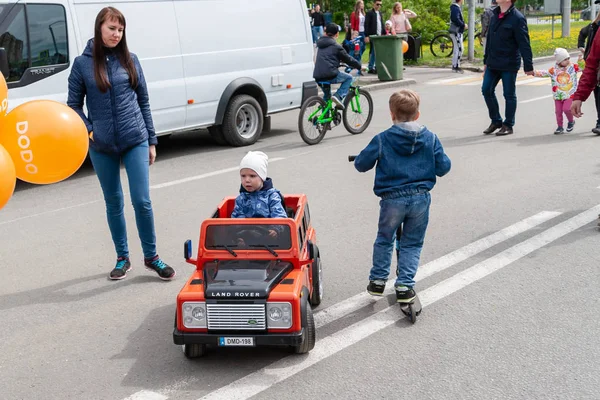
264,203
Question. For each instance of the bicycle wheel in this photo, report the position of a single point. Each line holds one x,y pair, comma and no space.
442,45
358,111
311,131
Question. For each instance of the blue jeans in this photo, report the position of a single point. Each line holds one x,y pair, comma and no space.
346,81
413,213
107,167
317,32
488,88
371,56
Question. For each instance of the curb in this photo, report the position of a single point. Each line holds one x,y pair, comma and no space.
383,85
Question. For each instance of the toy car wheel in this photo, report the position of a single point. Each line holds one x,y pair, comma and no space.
194,350
317,282
308,341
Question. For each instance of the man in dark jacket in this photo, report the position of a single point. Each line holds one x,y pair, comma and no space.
589,32
373,26
507,42
327,64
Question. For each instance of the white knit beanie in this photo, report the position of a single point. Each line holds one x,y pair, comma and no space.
256,161
561,54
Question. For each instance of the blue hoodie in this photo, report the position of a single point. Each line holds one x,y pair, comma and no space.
264,203
408,158
119,118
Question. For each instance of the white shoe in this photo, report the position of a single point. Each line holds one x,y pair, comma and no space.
339,103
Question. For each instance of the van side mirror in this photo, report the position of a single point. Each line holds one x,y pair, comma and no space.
4,68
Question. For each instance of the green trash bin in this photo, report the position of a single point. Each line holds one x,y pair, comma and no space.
389,59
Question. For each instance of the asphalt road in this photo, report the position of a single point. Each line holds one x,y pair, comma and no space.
509,274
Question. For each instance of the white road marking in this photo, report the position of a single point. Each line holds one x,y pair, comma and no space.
535,99
532,80
264,378
50,212
146,395
363,299
202,176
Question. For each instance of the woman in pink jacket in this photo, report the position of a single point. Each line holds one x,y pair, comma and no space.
400,19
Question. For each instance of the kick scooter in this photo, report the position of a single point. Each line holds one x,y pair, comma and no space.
412,309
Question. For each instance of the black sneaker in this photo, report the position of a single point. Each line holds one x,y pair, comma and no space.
505,130
560,130
570,126
375,289
157,265
405,294
458,70
492,128
120,271
596,130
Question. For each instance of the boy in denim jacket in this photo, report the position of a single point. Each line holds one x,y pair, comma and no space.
258,198
408,158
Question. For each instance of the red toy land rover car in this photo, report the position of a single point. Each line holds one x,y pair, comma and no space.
254,284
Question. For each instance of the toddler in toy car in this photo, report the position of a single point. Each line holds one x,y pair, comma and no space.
408,157
258,198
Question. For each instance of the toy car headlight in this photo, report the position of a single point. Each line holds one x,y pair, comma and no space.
194,314
279,315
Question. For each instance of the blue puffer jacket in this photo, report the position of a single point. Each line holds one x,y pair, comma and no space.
119,118
408,158
264,203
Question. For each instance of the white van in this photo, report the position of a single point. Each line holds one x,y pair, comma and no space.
222,64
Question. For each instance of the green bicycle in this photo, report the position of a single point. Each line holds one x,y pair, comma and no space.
317,115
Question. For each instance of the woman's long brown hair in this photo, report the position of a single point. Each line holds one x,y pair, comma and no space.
121,50
357,10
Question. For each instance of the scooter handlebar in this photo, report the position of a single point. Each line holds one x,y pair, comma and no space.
351,158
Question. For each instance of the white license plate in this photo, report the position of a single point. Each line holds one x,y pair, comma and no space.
236,341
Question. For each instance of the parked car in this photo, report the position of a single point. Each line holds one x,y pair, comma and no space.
207,64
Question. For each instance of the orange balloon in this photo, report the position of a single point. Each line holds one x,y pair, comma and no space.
8,177
404,46
47,141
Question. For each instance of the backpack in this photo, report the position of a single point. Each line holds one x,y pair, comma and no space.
486,17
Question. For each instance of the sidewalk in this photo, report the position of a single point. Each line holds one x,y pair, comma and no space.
371,82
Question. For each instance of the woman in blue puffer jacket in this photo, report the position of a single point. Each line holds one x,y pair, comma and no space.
120,127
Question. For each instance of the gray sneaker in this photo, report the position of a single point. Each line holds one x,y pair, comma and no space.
339,103
596,130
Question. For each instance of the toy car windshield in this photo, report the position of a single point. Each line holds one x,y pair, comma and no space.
248,237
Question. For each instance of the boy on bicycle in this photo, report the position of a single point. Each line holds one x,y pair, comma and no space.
408,157
329,55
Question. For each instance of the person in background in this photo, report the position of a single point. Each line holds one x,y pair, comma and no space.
318,23
400,19
457,27
507,43
584,43
373,26
486,17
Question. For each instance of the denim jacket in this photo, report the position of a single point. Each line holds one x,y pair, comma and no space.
408,158
264,203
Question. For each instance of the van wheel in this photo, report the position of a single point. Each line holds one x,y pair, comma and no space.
243,121
194,350
216,133
317,282
308,341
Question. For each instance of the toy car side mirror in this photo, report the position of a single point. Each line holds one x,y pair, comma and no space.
187,249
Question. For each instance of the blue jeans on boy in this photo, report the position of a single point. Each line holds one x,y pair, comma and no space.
488,88
346,81
412,211
107,167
